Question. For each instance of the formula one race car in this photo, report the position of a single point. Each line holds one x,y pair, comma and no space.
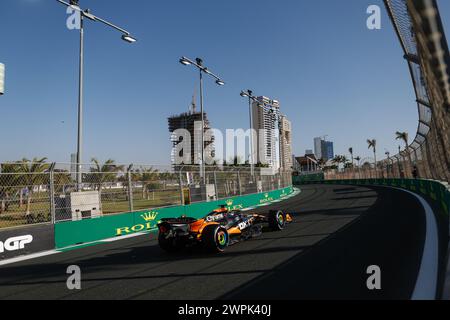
218,230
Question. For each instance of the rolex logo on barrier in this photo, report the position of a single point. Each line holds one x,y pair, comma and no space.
231,206
267,198
149,216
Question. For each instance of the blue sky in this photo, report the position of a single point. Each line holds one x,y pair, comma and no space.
331,74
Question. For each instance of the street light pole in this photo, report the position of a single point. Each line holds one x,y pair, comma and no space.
252,150
202,167
126,36
199,64
251,98
80,106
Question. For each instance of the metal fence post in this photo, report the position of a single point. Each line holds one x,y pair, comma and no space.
215,185
130,189
52,193
180,177
239,182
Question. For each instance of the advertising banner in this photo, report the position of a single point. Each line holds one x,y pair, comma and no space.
27,240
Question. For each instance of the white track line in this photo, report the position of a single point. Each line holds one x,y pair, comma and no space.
28,257
446,295
426,284
124,237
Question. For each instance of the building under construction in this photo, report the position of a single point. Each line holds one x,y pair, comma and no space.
190,121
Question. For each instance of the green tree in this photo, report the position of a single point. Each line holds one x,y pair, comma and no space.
148,177
32,174
9,183
373,145
404,136
351,154
102,173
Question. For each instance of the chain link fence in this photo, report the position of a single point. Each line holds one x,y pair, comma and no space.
40,192
419,28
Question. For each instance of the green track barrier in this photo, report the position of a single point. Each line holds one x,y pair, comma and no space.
308,177
86,231
434,190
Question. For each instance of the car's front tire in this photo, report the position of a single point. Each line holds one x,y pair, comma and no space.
277,220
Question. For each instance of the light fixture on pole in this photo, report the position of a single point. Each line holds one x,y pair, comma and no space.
198,63
126,36
2,79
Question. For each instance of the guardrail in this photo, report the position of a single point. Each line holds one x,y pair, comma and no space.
435,190
421,34
298,179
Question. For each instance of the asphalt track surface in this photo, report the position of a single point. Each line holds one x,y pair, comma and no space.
338,232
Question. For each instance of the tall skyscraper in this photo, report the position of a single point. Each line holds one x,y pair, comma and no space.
286,143
323,149
264,122
318,148
329,150
191,122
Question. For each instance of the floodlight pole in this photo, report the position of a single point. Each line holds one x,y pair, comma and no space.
126,36
80,107
202,168
198,63
251,98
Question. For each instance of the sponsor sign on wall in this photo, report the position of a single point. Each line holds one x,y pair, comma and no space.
22,241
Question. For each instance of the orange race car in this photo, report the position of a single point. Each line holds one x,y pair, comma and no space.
218,230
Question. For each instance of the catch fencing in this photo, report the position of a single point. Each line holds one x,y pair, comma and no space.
35,193
422,37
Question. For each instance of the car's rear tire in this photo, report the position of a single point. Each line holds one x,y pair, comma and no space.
215,238
277,220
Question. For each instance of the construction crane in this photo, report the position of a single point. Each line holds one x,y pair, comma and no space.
193,106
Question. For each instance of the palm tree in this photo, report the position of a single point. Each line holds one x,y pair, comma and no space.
344,160
358,159
103,173
351,154
9,182
404,136
321,163
147,176
373,144
32,174
336,160
340,159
